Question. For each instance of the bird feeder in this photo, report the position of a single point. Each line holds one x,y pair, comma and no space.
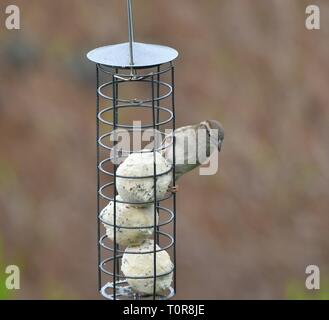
132,79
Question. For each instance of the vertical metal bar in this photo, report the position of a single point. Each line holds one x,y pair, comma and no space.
115,123
130,32
158,127
98,179
154,194
116,94
114,191
158,95
174,169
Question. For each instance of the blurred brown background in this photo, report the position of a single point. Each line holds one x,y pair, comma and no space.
247,232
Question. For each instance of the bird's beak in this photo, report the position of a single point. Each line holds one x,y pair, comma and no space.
219,146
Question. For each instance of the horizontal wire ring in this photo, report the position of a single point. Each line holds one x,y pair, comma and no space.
108,134
126,291
114,73
101,113
126,202
131,177
168,221
161,83
166,235
106,261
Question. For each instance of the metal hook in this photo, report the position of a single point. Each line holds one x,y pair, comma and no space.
132,77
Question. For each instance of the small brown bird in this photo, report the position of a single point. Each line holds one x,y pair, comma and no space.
194,145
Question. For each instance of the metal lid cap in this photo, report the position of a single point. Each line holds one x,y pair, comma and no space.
145,55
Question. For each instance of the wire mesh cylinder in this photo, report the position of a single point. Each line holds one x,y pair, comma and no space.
125,95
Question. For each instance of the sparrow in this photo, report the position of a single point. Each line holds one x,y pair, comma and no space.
194,145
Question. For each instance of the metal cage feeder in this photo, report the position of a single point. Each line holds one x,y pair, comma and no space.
119,67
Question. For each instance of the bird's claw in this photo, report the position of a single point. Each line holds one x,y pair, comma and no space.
173,189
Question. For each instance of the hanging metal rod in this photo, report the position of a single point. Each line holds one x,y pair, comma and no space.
130,32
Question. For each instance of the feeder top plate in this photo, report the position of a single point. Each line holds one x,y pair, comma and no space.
145,55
